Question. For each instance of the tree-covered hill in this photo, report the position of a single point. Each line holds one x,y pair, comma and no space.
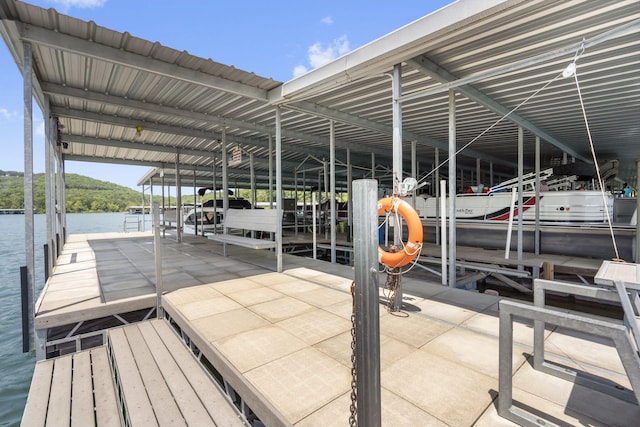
84,194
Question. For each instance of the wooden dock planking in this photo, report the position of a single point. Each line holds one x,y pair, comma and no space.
137,405
76,390
162,383
162,400
185,397
35,410
60,396
82,408
106,406
211,397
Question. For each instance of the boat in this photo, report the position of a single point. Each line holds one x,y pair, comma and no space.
209,215
556,203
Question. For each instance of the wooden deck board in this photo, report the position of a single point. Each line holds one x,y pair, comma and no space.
107,411
212,398
162,400
35,410
60,396
138,405
185,397
82,412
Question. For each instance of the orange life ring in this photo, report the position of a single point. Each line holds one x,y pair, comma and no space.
414,242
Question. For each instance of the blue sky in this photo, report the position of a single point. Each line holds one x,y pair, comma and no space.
276,39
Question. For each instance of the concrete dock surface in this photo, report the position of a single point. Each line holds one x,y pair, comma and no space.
283,340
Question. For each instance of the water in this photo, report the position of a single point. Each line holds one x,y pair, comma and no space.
16,368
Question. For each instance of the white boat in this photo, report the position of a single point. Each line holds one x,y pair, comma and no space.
555,204
208,217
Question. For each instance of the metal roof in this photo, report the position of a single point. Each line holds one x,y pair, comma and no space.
102,85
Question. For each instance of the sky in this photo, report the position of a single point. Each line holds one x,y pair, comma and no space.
278,39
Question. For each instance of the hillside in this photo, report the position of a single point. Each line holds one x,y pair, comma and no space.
84,194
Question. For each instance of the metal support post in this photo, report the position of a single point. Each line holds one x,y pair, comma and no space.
637,257
279,189
29,240
367,321
178,200
157,245
397,165
452,189
332,187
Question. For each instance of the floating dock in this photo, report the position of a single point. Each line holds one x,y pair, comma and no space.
277,346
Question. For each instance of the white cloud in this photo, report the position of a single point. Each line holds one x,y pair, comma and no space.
319,54
9,115
299,70
328,20
39,128
83,4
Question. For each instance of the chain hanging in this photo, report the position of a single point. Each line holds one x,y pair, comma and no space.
353,421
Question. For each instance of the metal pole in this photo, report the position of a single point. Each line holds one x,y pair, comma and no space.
29,240
397,164
270,172
252,178
520,195
332,187
439,209
349,196
195,206
163,205
279,188
141,224
215,195
48,192
452,189
157,245
637,257
443,228
373,165
225,186
314,215
536,232
327,218
367,323
178,200
414,166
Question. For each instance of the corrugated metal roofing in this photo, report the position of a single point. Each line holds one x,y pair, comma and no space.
102,84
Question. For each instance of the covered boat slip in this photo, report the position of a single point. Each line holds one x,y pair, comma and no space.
470,94
280,344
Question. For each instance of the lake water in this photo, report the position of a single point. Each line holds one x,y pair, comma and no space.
16,368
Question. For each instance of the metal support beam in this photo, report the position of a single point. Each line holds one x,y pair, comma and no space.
397,164
332,187
29,231
520,193
178,200
452,188
279,188
157,246
366,314
637,257
536,232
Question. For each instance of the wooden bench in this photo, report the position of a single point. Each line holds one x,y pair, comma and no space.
76,389
244,220
161,383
